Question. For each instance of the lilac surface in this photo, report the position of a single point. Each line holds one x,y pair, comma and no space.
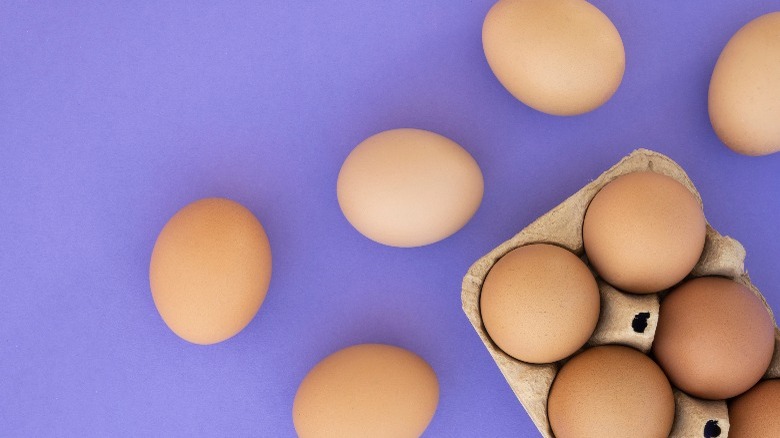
113,116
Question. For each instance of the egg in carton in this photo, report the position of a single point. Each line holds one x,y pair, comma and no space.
626,319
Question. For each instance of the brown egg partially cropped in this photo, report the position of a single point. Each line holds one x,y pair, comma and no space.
562,57
611,391
714,338
744,95
540,303
644,232
756,413
210,270
367,390
409,187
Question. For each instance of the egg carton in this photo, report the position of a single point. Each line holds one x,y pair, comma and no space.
625,319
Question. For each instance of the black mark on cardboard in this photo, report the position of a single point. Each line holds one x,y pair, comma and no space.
639,324
711,429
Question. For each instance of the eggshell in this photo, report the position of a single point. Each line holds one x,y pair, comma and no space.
409,187
756,413
210,270
540,303
611,391
560,57
644,232
367,390
714,338
744,95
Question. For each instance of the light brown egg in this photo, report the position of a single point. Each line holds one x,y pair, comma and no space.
744,96
540,303
611,391
367,390
714,338
560,57
409,187
756,413
644,232
210,270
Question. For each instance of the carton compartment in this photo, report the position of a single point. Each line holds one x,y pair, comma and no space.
625,319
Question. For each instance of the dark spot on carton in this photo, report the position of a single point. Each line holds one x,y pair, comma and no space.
639,324
711,429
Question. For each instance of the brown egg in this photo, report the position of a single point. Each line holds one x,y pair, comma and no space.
368,390
540,303
611,391
409,187
744,97
644,232
210,270
756,413
560,57
714,338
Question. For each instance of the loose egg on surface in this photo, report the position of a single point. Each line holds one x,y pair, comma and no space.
756,413
540,303
644,232
562,57
210,270
611,391
744,96
714,338
409,187
367,390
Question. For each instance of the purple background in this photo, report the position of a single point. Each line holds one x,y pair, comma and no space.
113,116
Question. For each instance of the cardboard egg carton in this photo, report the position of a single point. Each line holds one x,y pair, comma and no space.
625,319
